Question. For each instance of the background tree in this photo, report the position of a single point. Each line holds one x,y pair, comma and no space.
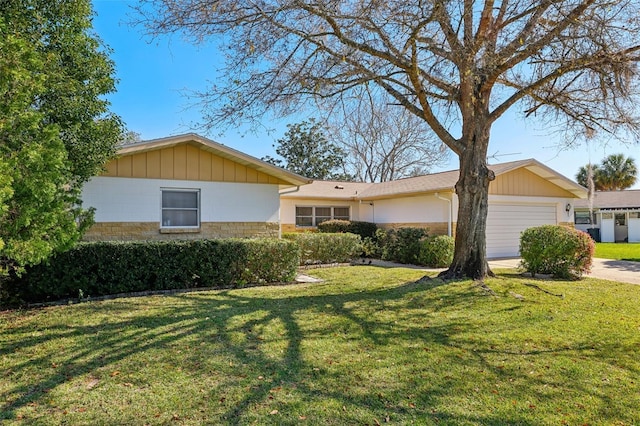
307,152
457,65
130,137
615,173
384,142
55,129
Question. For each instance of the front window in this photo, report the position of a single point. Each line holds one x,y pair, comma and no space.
583,218
180,208
314,215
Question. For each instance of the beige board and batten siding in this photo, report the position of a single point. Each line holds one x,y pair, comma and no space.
186,162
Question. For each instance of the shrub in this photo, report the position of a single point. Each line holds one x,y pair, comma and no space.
328,248
401,245
437,251
371,248
334,226
364,229
101,268
558,250
270,260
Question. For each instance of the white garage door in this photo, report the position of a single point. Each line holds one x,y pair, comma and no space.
505,222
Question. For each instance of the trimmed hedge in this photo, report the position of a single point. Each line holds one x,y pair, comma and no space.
364,229
102,268
437,251
558,250
401,245
322,248
334,226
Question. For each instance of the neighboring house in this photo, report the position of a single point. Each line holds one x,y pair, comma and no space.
524,194
186,187
614,214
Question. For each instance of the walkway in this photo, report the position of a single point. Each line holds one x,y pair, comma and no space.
606,269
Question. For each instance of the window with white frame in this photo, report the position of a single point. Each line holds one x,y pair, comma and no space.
584,218
313,215
180,208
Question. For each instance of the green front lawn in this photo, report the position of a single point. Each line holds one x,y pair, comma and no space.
368,346
618,251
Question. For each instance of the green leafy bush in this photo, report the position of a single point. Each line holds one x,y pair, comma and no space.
437,251
334,226
319,248
401,245
364,229
101,268
371,248
558,250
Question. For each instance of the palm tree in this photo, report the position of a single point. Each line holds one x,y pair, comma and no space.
617,172
614,173
583,176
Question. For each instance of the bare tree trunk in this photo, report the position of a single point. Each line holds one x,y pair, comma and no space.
470,256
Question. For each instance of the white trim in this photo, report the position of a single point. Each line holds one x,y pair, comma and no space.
198,209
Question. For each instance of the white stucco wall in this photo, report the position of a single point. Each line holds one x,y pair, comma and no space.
422,209
138,200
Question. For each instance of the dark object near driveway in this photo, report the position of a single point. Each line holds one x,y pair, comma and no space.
594,233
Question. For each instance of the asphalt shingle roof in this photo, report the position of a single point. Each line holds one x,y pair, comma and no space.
613,199
443,181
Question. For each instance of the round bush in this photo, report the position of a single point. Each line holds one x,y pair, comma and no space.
558,250
437,251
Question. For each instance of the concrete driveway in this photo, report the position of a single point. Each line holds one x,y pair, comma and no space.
605,269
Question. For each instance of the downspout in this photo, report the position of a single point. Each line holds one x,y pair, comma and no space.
297,188
450,212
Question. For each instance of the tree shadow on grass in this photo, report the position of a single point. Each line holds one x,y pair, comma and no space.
233,323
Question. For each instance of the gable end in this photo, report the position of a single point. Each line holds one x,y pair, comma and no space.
525,183
185,162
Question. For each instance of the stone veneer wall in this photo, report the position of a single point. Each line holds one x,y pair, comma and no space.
435,228
132,231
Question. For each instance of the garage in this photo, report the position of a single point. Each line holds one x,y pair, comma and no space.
505,222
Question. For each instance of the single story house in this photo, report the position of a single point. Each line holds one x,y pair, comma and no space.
186,187
614,214
524,194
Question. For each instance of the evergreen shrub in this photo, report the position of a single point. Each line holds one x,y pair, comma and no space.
401,245
437,251
102,268
324,248
557,250
364,229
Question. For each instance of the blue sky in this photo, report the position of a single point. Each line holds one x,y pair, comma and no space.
155,77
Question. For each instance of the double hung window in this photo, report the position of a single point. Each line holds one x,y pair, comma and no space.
180,208
314,215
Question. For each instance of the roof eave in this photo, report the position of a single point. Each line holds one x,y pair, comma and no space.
405,194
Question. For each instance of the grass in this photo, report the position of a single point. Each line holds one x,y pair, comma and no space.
618,251
367,346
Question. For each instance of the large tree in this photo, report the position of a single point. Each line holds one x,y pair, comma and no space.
457,65
615,173
55,128
305,150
